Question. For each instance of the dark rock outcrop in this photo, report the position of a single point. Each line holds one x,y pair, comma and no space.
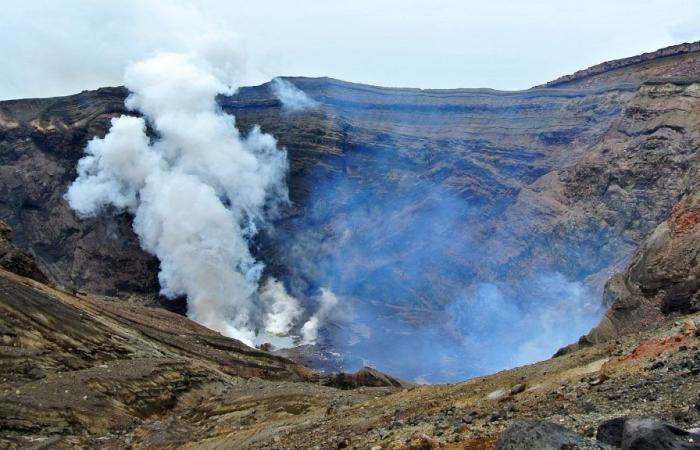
610,431
652,434
15,259
542,435
365,377
645,433
625,433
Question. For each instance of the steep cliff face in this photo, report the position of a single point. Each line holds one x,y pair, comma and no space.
483,146
481,143
662,277
40,144
591,214
381,177
579,204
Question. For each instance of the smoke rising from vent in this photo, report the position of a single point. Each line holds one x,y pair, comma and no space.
292,98
199,191
283,309
327,301
408,262
394,261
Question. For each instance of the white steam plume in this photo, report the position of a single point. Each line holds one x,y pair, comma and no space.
328,301
198,192
283,311
292,98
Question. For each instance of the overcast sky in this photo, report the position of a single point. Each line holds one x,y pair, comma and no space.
56,47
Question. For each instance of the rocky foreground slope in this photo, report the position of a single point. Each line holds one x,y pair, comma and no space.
80,371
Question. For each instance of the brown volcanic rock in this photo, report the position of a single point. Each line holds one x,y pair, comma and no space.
667,263
82,372
66,333
594,212
657,171
662,278
73,366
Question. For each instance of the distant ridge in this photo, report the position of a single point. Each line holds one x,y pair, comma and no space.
674,50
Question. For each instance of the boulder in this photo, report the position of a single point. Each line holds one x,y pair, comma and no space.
365,377
610,431
542,435
646,433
